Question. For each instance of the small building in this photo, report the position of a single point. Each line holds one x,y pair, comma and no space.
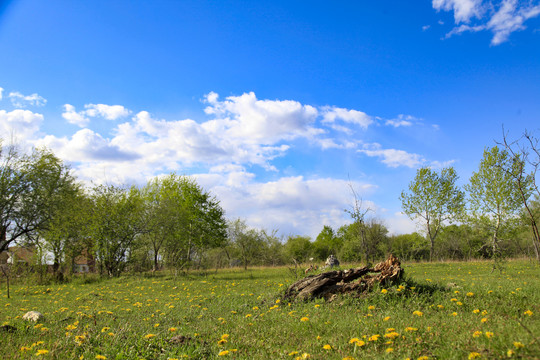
84,263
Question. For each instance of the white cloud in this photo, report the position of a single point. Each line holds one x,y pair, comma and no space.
21,124
464,10
292,205
1,91
19,100
400,223
332,114
426,27
81,118
392,157
109,112
73,117
401,120
503,17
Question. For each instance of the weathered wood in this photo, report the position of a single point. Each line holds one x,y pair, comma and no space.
328,284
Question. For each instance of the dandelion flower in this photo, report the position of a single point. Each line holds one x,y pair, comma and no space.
371,307
384,291
518,345
410,329
389,350
391,335
148,336
484,320
476,311
417,313
224,353
374,337
489,334
101,357
470,294
292,353
510,353
42,352
477,334
305,318
172,329
386,318
528,312
473,355
327,347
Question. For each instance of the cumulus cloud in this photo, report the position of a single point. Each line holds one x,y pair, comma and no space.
502,17
21,124
19,100
1,91
82,118
333,114
292,205
392,157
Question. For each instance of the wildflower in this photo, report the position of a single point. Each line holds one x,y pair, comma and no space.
389,350
391,335
248,315
474,355
42,352
417,313
105,329
528,312
224,353
476,311
510,353
454,313
111,334
222,341
423,357
477,334
374,337
384,291
489,334
484,320
101,357
172,329
410,329
305,318
386,318
357,342
470,294
459,303
225,336
71,327
371,307
327,347
440,306
518,345
292,353
156,325
348,358
25,348
148,336
454,299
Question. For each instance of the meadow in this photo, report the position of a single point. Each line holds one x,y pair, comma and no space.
454,310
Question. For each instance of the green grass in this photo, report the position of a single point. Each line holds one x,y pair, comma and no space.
441,311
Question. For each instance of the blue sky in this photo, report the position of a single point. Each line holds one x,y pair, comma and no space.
275,107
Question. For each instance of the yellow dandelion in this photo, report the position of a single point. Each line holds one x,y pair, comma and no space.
528,312
473,355
172,329
305,318
470,294
224,353
391,335
423,358
484,320
518,345
292,353
327,347
476,311
418,313
105,329
374,337
489,334
389,350
348,358
477,334
149,336
101,357
384,291
42,352
510,353
386,318
410,329
222,341
371,307
454,313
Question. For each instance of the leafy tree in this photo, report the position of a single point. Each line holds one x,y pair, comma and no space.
493,197
247,243
434,198
409,246
115,225
33,189
326,243
299,248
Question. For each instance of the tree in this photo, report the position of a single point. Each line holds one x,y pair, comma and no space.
247,243
522,166
115,225
433,198
326,243
33,189
493,197
357,232
299,248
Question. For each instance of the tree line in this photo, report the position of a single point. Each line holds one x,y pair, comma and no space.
173,222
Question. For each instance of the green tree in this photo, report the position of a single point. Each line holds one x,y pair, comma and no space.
299,248
115,225
247,243
493,197
33,189
326,243
434,199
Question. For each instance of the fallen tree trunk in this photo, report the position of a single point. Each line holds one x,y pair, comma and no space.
329,284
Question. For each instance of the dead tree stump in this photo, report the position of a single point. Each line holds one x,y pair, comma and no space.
329,284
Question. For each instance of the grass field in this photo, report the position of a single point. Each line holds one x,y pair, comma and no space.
441,311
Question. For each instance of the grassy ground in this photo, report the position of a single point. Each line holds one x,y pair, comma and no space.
441,311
